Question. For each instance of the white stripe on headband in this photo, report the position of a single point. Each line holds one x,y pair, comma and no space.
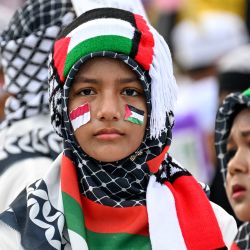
100,27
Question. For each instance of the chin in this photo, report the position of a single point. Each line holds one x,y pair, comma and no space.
111,157
243,215
107,160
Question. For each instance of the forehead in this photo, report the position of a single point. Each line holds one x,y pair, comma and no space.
241,122
100,65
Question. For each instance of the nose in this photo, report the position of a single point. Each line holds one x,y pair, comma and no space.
239,163
109,108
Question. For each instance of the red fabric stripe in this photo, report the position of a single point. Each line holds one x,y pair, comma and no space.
197,220
234,247
60,54
155,163
79,111
69,180
105,219
145,51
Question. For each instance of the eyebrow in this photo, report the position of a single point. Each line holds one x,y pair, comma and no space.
82,79
129,79
245,133
242,133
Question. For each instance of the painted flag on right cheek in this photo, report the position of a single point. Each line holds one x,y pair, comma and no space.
80,116
134,115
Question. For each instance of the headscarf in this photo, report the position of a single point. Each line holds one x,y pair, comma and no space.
158,135
242,239
147,188
25,45
230,107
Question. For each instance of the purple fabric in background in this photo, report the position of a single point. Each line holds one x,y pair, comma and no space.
189,148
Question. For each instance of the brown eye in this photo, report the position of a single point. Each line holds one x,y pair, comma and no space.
130,92
86,92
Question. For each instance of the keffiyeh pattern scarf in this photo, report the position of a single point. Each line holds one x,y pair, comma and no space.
25,47
136,203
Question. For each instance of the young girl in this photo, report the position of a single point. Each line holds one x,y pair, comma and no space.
112,93
232,145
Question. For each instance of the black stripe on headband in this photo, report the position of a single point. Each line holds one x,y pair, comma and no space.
135,44
100,13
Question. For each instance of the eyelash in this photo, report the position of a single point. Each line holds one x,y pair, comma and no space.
86,89
135,92
138,93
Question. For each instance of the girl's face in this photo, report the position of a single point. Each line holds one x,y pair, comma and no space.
238,174
108,85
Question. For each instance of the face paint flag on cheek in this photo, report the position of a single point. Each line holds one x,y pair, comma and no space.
134,115
80,116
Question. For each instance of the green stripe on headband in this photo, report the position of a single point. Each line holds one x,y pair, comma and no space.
112,43
246,92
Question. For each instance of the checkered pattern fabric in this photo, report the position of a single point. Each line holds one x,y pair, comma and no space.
25,46
226,113
242,238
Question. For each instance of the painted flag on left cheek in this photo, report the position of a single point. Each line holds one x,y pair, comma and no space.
80,116
134,115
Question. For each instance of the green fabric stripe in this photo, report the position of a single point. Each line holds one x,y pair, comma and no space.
121,241
113,43
74,215
134,120
247,92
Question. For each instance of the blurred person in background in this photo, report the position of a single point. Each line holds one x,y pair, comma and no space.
198,43
232,140
28,143
233,73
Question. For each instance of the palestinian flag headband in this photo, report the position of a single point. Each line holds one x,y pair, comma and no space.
127,34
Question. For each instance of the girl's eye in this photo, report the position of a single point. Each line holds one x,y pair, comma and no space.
85,92
130,92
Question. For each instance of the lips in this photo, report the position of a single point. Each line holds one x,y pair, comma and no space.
108,133
238,191
238,188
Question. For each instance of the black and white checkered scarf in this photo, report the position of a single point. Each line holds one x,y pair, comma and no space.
242,239
25,47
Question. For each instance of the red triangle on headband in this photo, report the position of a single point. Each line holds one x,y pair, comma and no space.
60,55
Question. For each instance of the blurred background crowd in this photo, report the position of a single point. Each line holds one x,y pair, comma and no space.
209,41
